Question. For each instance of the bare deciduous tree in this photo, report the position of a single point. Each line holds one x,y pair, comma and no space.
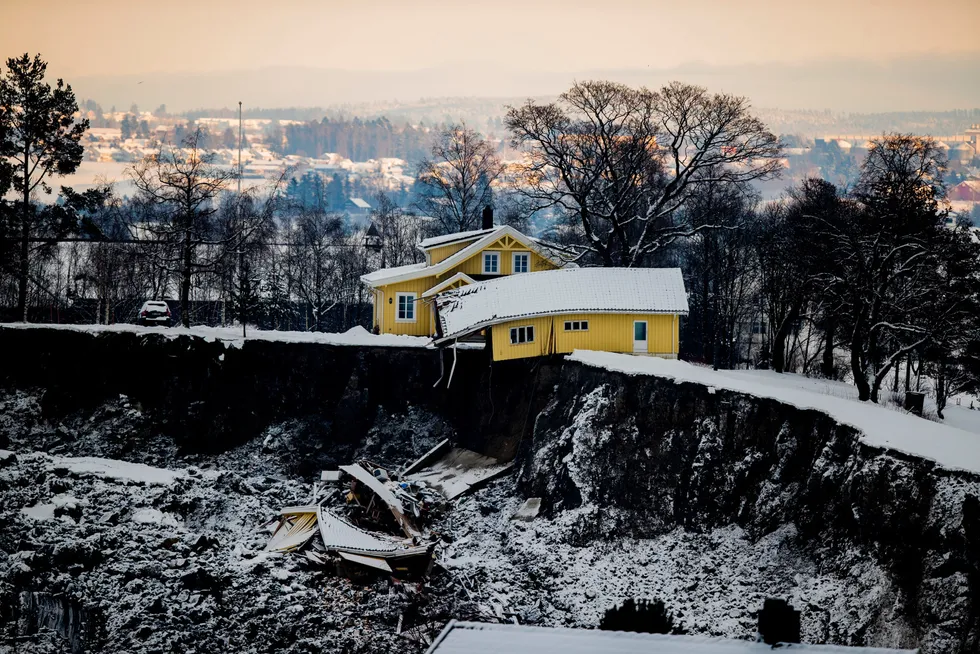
624,160
399,232
314,264
182,185
455,184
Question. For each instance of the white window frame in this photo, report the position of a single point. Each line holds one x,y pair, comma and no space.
513,261
415,308
576,325
515,335
496,253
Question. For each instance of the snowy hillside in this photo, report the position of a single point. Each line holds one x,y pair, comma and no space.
950,447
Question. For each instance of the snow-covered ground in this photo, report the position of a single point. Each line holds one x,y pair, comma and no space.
174,560
949,446
233,335
713,583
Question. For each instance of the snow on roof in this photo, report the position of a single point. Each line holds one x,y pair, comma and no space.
445,239
880,427
338,534
360,203
387,273
480,638
391,275
564,291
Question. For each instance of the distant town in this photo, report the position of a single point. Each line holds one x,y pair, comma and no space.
273,145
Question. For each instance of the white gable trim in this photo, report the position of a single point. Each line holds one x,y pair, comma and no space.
467,252
449,282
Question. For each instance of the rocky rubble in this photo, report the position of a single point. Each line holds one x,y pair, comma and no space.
179,566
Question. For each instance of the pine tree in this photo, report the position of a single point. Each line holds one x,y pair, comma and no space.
40,138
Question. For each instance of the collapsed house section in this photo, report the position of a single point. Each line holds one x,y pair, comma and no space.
379,503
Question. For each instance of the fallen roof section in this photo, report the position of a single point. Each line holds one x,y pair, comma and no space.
341,536
458,471
295,529
556,292
479,638
364,476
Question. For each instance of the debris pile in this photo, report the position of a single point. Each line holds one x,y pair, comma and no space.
388,515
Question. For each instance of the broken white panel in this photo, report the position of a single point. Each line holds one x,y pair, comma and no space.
427,458
330,476
459,470
369,561
384,493
529,510
365,477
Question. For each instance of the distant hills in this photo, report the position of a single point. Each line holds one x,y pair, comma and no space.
914,84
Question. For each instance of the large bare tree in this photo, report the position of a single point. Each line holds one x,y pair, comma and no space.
180,185
400,232
454,185
622,161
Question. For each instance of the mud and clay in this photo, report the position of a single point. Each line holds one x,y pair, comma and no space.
619,462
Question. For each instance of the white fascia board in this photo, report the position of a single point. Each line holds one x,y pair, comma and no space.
464,254
455,278
530,316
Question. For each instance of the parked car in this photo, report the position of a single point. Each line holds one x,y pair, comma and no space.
154,312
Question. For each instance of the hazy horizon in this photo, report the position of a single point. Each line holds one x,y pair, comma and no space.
847,56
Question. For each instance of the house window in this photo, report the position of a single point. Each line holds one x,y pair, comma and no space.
520,335
406,307
491,263
522,262
576,325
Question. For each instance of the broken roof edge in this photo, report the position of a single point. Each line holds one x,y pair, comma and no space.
561,312
438,288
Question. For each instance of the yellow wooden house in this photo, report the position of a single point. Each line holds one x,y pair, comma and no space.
631,310
404,296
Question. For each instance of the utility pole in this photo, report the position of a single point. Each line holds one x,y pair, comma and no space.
241,240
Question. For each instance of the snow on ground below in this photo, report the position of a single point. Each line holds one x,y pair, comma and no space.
175,561
948,446
233,335
712,583
117,470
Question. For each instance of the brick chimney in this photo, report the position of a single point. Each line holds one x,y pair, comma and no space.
487,218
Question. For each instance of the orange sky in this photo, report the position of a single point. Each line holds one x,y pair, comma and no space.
105,37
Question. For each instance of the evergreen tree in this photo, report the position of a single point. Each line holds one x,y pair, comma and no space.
40,138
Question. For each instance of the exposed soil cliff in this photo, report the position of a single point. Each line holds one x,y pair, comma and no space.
644,455
707,499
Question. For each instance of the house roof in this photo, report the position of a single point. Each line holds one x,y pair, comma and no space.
439,288
478,638
381,276
360,203
564,291
446,239
404,273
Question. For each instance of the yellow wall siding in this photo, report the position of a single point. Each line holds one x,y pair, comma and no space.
423,312
474,265
607,332
445,251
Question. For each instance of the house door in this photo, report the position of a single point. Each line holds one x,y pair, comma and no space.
640,336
